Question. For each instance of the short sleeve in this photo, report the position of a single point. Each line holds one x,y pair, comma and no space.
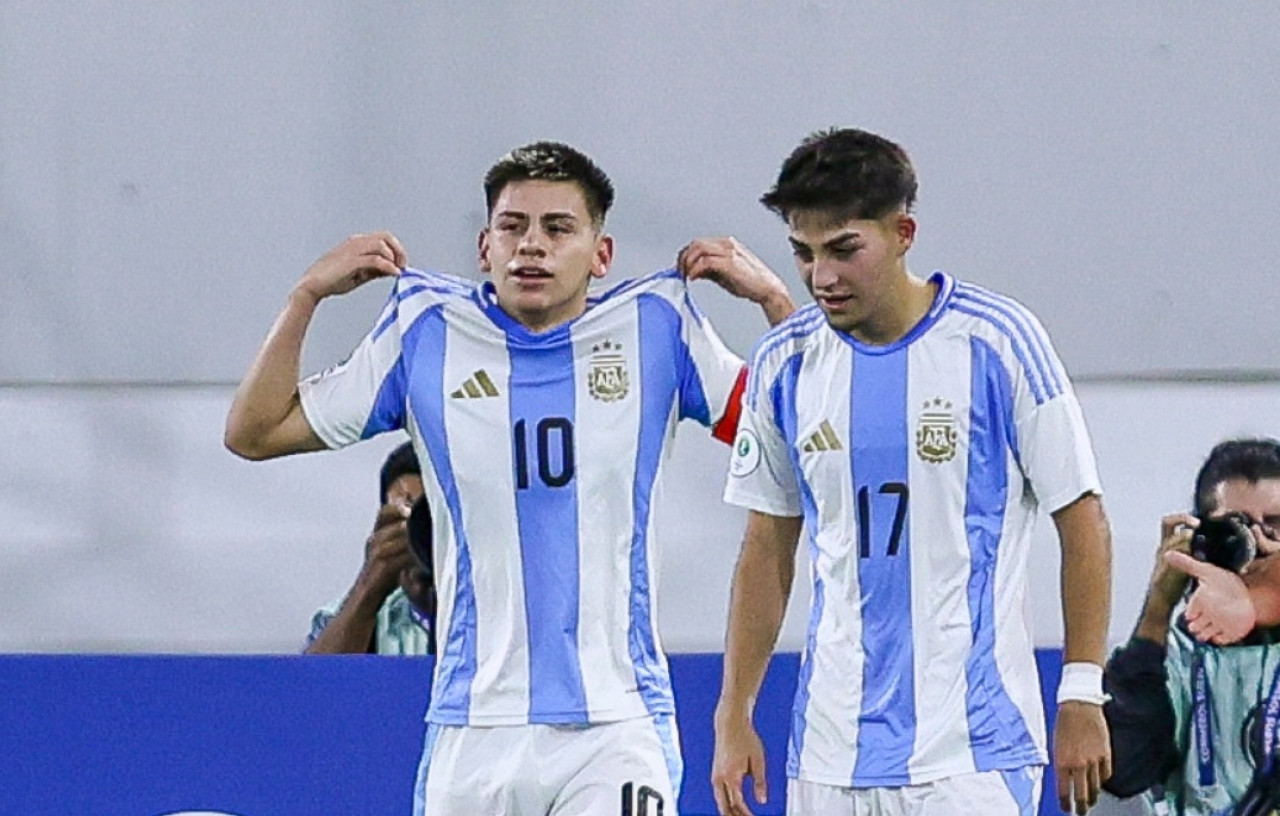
363,395
1054,447
708,389
761,473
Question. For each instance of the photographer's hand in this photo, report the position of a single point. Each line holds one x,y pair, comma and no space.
1220,610
1167,583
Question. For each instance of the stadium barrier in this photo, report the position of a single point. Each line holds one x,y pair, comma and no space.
285,735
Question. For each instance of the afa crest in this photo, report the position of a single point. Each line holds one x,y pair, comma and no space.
607,379
936,432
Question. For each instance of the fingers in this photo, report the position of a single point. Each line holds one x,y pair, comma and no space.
1094,782
375,255
398,256
1265,539
1170,523
761,784
727,787
1189,565
706,257
380,244
391,513
700,259
1079,790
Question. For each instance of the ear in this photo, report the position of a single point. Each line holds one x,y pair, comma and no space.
603,257
906,231
482,247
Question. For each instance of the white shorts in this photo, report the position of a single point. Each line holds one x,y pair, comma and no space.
991,793
627,768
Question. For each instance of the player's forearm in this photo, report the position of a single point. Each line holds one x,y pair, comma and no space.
777,307
1086,579
268,395
1263,583
761,588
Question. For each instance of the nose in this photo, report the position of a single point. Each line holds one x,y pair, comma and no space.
532,242
822,274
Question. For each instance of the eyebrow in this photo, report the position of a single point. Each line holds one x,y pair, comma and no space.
551,216
839,238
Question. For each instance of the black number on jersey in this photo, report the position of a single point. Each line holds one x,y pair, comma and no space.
864,517
642,801
553,447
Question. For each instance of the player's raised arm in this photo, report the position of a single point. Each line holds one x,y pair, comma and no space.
266,418
736,269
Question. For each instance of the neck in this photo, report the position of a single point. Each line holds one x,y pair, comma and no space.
906,305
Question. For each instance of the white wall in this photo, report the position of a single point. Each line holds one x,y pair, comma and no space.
168,169
124,525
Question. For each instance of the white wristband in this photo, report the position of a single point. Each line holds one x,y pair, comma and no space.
1082,682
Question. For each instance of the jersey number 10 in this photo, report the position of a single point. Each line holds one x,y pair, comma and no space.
553,448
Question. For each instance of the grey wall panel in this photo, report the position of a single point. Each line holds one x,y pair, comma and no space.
168,170
124,525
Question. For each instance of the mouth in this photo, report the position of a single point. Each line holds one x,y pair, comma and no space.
530,273
833,302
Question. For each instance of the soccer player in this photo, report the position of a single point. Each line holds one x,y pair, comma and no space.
915,427
542,416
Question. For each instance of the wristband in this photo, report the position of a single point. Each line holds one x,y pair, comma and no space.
1082,682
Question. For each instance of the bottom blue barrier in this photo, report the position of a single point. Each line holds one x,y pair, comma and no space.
287,736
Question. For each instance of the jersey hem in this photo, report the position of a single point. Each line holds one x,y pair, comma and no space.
920,777
1053,504
551,718
751,501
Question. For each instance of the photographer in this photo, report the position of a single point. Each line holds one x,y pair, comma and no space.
390,609
1197,726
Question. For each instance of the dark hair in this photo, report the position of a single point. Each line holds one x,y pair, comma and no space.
846,173
1250,459
400,462
551,161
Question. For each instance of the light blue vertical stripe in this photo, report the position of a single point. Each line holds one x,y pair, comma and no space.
997,732
659,321
878,456
1033,379
1035,341
668,735
387,413
425,349
542,418
658,391
424,768
1022,787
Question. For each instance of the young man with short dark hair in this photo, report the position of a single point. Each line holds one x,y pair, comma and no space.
542,415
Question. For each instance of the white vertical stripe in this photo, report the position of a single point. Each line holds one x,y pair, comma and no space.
830,735
1015,648
481,455
940,557
606,433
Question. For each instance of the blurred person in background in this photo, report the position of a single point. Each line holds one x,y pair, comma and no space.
389,607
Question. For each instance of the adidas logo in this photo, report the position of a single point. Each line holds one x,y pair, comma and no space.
477,386
823,439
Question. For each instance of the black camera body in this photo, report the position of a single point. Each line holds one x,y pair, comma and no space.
1224,541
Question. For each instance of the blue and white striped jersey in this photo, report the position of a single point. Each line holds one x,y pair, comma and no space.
542,456
919,468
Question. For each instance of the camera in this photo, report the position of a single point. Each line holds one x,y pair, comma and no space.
1224,541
